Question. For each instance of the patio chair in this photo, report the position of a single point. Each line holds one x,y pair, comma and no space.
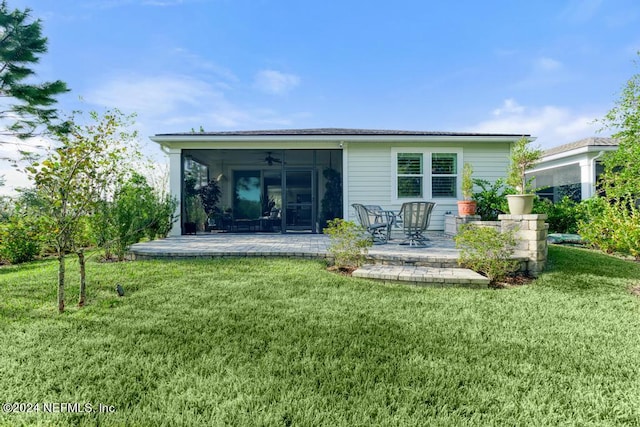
393,218
373,223
415,220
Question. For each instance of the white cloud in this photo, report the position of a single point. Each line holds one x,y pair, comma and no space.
547,64
176,103
198,62
509,106
10,152
580,11
13,180
156,95
275,82
552,125
542,71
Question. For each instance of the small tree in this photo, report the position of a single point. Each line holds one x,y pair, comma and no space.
622,166
29,104
523,158
73,177
467,181
614,226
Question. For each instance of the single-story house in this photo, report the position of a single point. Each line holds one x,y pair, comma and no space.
288,180
572,169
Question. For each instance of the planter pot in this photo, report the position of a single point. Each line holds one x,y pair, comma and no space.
520,204
466,207
190,228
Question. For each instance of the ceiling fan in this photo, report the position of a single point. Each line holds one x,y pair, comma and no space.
270,160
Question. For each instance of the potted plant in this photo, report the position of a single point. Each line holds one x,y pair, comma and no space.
523,157
195,215
467,206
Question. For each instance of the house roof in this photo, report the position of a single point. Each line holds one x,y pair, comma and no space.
336,132
586,142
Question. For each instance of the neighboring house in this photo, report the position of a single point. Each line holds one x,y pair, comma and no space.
572,169
279,174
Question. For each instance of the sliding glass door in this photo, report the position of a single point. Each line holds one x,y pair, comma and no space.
300,200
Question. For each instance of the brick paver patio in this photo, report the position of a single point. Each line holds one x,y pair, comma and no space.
440,247
434,264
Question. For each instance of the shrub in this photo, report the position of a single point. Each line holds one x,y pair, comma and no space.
19,241
487,251
563,216
612,226
349,243
162,210
137,211
491,199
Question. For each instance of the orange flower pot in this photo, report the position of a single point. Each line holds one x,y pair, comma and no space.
466,207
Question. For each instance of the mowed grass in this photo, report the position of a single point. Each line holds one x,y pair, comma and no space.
284,342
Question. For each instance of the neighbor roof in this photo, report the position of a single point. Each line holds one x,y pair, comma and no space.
586,142
337,132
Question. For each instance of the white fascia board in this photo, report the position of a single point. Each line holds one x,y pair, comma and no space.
196,141
577,151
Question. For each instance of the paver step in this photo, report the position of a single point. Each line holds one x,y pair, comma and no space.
410,260
421,275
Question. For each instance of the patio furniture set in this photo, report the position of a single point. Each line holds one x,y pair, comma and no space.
413,218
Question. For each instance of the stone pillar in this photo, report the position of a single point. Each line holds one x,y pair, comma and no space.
531,235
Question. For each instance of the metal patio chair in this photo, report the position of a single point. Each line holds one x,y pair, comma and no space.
415,220
373,223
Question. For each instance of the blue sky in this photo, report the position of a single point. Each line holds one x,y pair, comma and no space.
548,68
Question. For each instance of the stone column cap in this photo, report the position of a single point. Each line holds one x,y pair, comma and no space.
532,217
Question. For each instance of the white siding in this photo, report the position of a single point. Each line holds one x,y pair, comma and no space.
370,180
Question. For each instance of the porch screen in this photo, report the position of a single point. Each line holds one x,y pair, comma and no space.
410,175
444,175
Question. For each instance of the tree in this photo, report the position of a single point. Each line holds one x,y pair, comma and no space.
27,105
622,167
74,177
613,224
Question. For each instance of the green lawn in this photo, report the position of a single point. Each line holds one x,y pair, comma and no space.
283,342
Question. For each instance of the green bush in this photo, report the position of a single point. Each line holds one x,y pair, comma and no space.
19,240
491,200
487,251
612,226
137,211
349,243
563,216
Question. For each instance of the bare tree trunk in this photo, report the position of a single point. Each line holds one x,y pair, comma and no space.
83,282
60,281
